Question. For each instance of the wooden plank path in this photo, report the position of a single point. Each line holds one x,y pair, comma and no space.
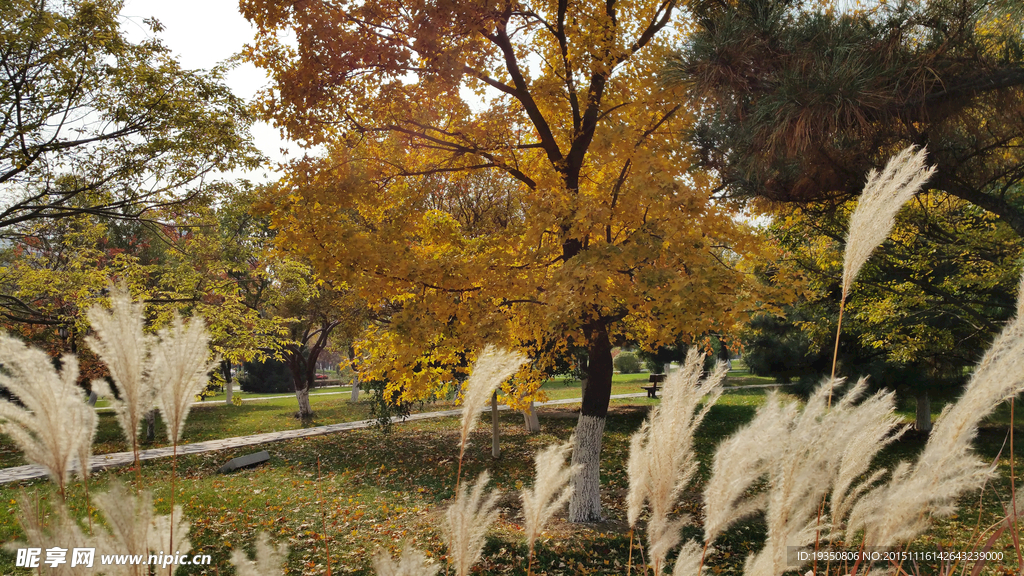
101,461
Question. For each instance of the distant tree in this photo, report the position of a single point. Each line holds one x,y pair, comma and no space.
627,363
93,124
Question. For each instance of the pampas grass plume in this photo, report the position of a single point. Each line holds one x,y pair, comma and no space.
466,522
61,531
662,461
411,563
122,346
180,370
884,194
269,559
492,367
56,425
550,489
899,510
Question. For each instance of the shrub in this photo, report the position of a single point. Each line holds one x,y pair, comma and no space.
266,377
627,363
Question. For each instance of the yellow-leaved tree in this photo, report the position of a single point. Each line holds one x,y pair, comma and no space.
500,172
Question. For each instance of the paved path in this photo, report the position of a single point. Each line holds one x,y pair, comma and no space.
220,401
101,461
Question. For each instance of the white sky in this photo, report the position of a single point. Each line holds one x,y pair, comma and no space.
203,33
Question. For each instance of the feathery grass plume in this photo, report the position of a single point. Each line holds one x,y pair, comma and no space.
466,522
62,531
492,367
180,370
170,529
550,489
740,460
130,519
269,559
122,346
662,461
816,452
688,561
411,563
900,509
55,425
884,194
875,215
804,454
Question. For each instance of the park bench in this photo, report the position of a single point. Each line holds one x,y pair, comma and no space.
652,390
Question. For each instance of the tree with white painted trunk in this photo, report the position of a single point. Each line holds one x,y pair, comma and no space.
561,214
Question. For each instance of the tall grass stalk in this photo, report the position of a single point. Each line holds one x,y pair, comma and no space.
54,426
466,522
875,216
181,368
125,349
805,455
662,461
899,510
550,492
492,367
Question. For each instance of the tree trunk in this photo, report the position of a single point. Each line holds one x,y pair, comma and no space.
229,385
585,504
924,413
303,396
355,377
530,420
495,435
151,426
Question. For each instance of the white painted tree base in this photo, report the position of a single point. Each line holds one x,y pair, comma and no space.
303,398
585,504
530,420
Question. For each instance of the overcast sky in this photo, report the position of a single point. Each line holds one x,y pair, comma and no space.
202,34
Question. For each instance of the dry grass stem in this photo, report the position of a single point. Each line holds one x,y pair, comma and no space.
269,559
466,522
181,369
122,346
411,563
662,461
55,425
550,490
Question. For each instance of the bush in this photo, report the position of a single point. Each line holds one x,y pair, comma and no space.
627,363
266,377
